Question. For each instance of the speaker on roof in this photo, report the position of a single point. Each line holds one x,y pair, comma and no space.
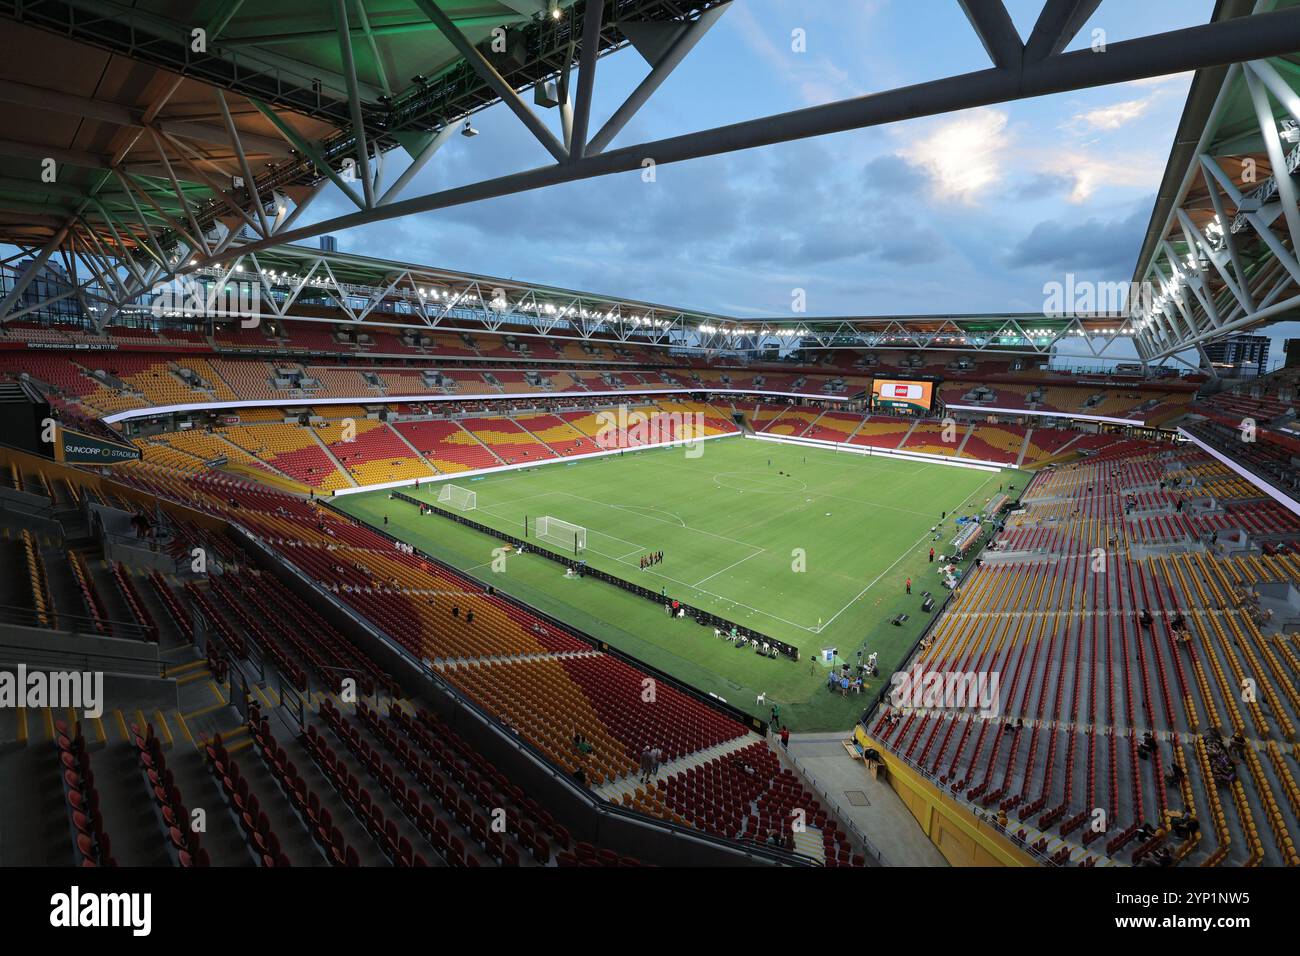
547,96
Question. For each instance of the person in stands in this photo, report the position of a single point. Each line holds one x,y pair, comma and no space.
1237,744
582,745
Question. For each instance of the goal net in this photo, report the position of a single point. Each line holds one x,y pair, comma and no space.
457,497
561,533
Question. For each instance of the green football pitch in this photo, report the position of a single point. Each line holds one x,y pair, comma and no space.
809,546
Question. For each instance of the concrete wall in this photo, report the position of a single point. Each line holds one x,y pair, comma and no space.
131,669
963,838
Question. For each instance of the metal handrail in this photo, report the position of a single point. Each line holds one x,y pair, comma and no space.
62,660
871,849
75,623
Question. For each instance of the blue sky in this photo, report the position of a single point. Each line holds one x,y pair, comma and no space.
967,212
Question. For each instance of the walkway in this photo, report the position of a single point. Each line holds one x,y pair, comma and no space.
870,805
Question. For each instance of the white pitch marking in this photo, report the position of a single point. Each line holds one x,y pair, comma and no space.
927,534
727,568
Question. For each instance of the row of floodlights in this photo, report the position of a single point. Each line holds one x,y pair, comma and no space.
497,302
737,330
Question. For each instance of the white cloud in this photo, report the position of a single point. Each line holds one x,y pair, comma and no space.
1115,115
1169,79
963,156
1088,172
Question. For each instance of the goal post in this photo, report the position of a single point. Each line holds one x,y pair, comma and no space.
563,534
457,497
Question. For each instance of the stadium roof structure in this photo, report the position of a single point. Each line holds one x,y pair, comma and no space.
146,142
368,289
137,137
1219,255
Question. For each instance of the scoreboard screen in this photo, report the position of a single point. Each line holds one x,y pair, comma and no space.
892,395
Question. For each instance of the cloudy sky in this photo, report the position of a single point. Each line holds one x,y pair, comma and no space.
967,212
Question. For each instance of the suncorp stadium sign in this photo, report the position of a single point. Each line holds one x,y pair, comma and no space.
77,448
